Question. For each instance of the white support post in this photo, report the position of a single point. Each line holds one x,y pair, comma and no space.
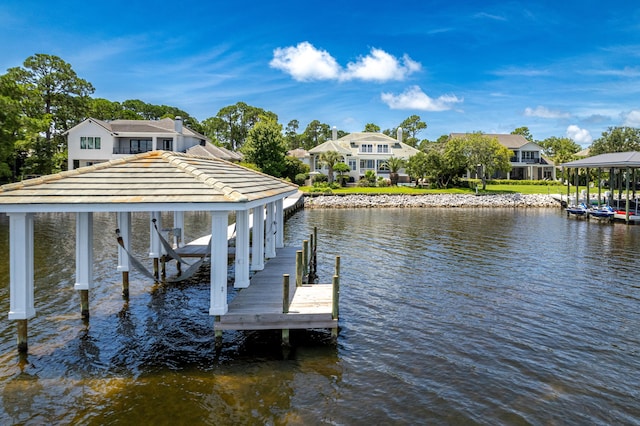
242,249
124,225
178,223
270,232
155,246
257,241
21,305
280,223
84,251
219,254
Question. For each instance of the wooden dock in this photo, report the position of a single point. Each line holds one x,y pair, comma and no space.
260,306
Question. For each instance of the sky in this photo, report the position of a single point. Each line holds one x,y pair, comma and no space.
561,68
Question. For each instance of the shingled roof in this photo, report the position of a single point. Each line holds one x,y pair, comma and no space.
612,159
156,180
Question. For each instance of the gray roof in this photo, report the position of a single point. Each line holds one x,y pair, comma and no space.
612,159
153,181
166,125
507,140
210,150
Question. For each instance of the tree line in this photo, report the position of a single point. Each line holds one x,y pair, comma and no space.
44,98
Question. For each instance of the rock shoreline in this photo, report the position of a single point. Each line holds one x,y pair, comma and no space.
430,200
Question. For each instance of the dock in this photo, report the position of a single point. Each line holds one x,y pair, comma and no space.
260,306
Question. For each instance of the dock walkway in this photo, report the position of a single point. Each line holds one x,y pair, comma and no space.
260,306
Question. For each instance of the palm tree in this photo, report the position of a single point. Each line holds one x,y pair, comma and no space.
394,164
330,159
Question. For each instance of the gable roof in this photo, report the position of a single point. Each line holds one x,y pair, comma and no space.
210,150
166,125
349,144
331,145
507,140
612,159
153,181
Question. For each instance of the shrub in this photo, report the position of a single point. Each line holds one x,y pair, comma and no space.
301,178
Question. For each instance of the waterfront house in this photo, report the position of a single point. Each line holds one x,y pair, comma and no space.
95,141
364,151
527,162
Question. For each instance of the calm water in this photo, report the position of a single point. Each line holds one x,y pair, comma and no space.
447,317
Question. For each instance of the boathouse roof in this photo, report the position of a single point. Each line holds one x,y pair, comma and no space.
153,181
610,160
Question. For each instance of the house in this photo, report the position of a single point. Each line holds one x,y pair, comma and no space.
95,141
364,151
527,162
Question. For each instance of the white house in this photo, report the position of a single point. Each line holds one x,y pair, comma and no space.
364,151
527,162
95,141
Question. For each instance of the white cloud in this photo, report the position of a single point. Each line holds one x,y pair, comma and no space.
579,136
380,66
632,119
415,98
304,62
544,112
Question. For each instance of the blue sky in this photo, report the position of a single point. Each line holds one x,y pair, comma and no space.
561,68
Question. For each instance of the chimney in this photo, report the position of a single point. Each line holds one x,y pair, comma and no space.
399,134
178,124
334,133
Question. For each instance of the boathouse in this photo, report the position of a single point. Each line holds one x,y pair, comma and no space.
153,182
622,168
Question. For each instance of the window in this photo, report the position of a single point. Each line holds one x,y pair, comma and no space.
367,164
383,149
140,145
382,165
167,144
352,164
89,142
366,147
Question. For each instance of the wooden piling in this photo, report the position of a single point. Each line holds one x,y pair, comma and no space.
156,268
285,308
22,335
125,284
337,267
335,311
305,257
84,303
299,268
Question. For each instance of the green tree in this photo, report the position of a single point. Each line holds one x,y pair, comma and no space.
560,150
265,146
231,126
411,126
524,131
479,152
53,93
372,128
291,134
394,164
294,167
617,139
314,134
342,170
330,159
417,167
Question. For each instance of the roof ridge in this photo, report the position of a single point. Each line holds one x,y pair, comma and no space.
177,160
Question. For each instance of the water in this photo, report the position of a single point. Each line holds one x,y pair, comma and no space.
448,316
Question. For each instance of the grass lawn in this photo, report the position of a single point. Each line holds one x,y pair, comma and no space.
491,189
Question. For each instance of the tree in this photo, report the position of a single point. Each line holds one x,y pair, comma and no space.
394,164
330,159
232,124
417,167
477,151
342,170
372,128
314,134
524,131
560,150
291,134
294,167
265,146
53,93
617,139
